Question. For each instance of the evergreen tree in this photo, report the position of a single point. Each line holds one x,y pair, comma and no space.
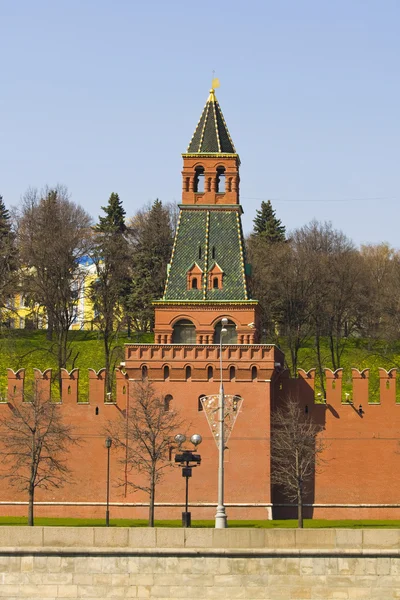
8,260
153,239
266,224
114,221
111,259
5,221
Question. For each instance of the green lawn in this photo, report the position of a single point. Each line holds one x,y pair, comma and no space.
278,524
30,349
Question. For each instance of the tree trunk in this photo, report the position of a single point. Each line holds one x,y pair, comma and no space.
319,362
300,507
31,492
107,360
299,493
152,500
50,326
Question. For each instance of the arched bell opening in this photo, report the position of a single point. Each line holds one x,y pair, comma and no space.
198,183
220,181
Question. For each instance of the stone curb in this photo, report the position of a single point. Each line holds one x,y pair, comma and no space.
199,552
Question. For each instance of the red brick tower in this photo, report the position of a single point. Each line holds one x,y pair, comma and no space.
207,280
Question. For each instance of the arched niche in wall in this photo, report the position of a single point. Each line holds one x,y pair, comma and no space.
230,337
184,332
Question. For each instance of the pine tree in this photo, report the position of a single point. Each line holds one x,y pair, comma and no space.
8,259
5,221
111,260
114,221
153,240
267,226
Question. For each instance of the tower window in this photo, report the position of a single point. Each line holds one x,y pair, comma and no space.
145,373
166,373
210,373
198,186
167,402
199,252
213,252
230,337
220,187
184,332
232,373
194,283
188,373
199,403
253,373
215,283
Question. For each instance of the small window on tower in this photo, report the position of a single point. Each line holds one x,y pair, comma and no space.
199,252
194,283
199,403
215,283
199,180
220,187
167,403
213,252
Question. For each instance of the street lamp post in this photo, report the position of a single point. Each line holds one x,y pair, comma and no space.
220,517
108,446
187,460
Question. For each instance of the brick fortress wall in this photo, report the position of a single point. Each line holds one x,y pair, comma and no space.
357,480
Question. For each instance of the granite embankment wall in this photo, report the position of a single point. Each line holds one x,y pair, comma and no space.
61,563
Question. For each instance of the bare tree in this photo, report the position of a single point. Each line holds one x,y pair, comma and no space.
34,444
296,448
145,435
53,237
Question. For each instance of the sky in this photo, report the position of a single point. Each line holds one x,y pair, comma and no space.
103,96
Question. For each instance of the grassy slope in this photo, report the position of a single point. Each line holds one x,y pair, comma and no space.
359,353
29,349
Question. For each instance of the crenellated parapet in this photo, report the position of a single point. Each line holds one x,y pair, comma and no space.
175,362
42,380
358,393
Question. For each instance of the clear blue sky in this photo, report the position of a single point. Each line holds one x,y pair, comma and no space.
104,96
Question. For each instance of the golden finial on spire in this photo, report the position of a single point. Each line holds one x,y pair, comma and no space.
214,86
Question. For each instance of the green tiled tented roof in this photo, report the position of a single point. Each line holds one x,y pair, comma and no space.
211,135
206,237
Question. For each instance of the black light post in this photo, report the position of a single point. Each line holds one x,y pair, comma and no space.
187,460
108,446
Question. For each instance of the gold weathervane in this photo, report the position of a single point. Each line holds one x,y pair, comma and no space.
214,86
